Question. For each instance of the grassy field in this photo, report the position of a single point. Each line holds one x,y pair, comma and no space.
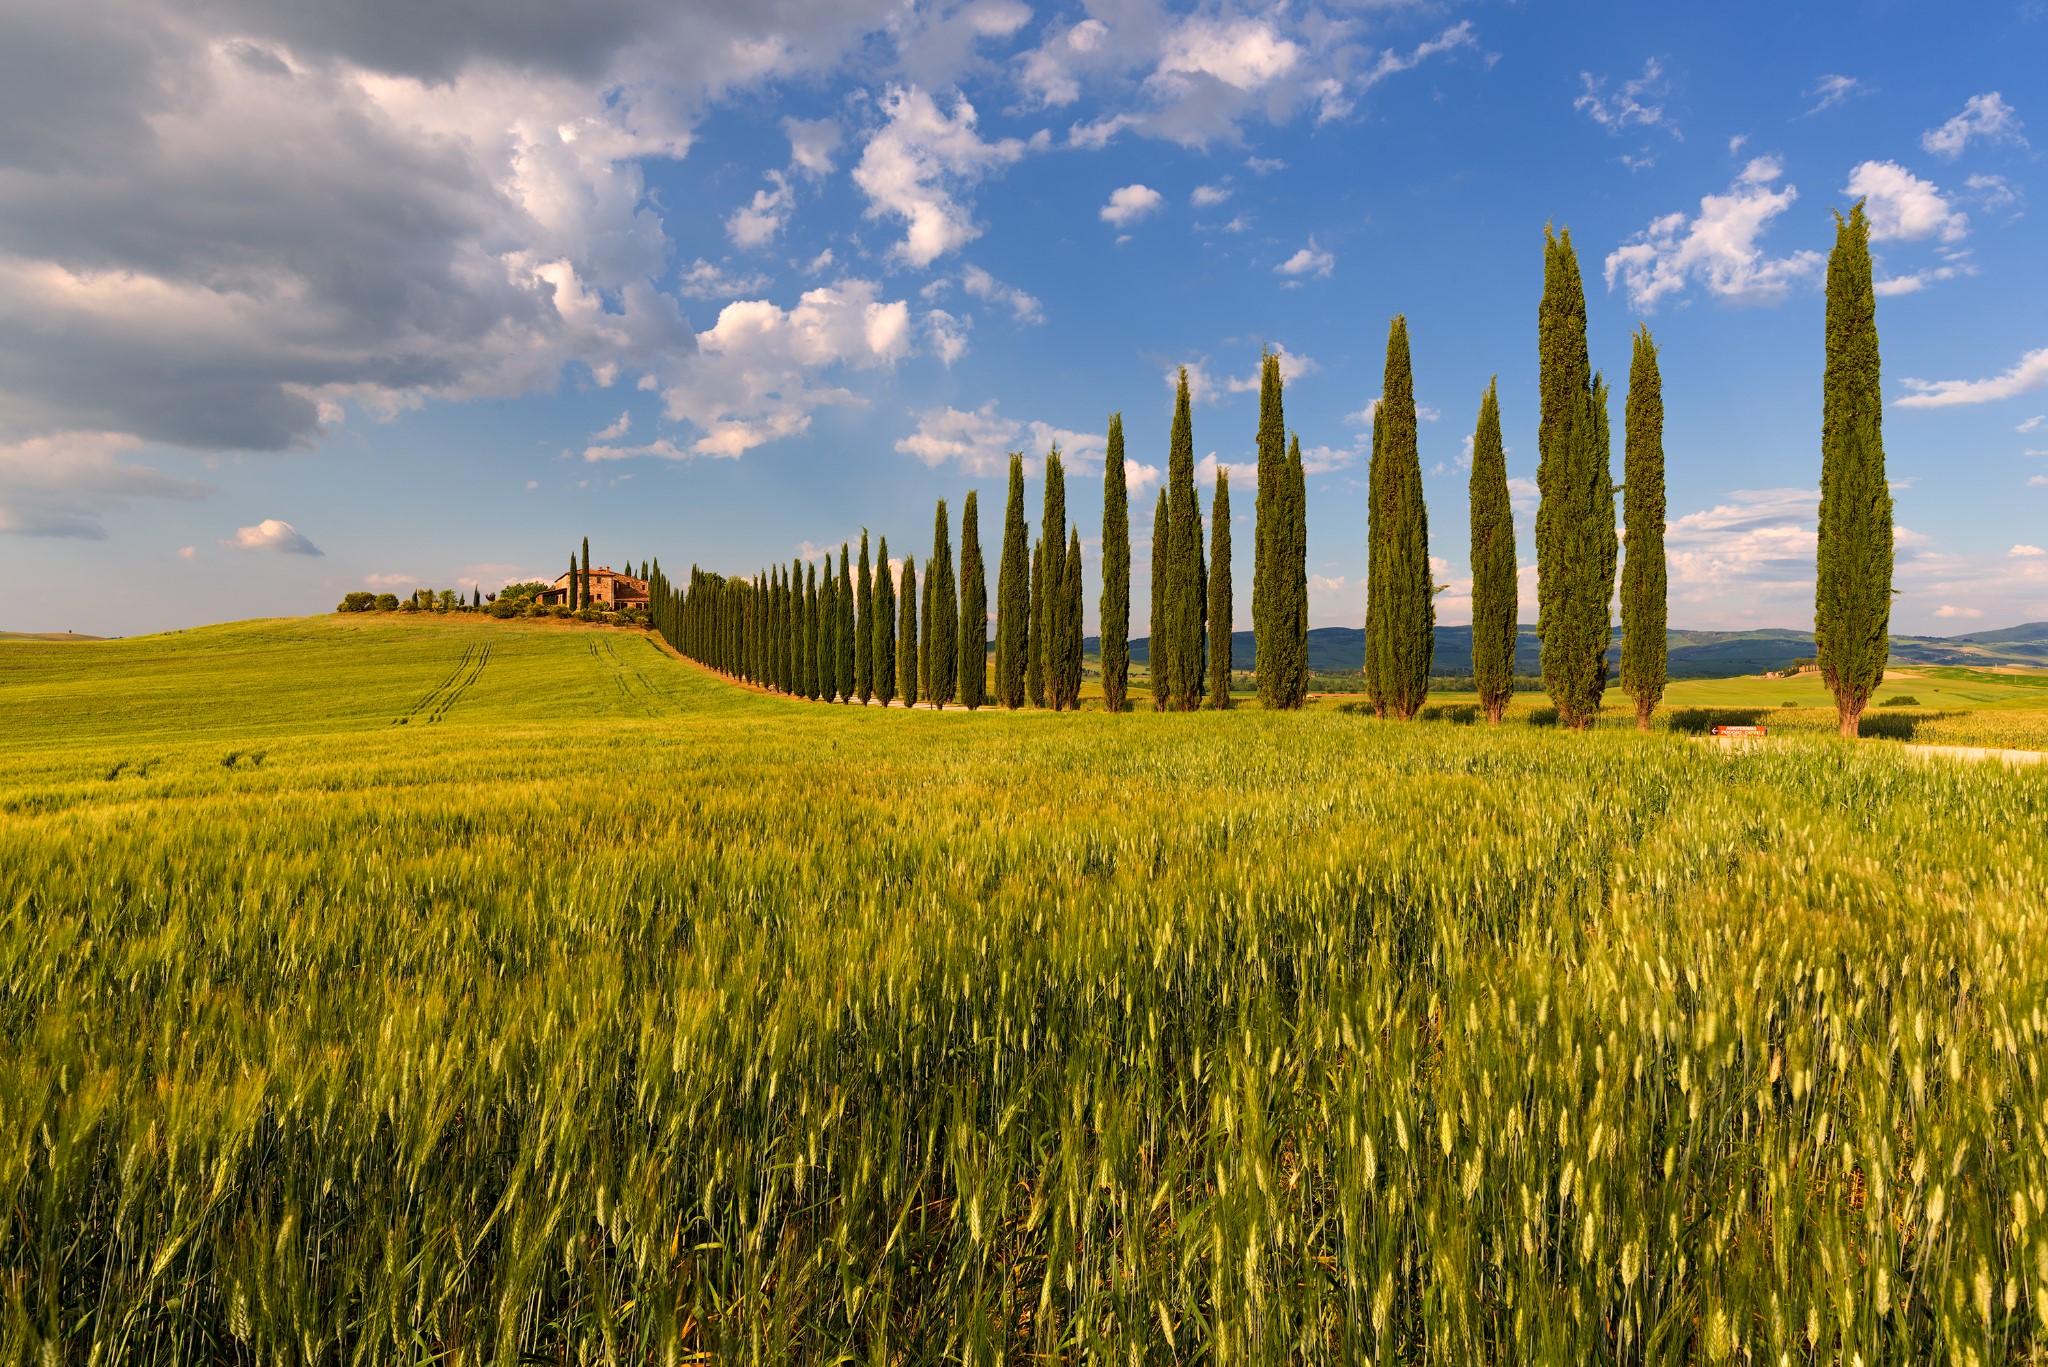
388,990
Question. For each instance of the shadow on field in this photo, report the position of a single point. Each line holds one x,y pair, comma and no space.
1698,721
1456,713
1897,725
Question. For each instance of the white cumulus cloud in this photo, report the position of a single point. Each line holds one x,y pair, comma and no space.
1129,203
1309,260
2031,372
916,164
1985,117
1903,207
271,534
1717,248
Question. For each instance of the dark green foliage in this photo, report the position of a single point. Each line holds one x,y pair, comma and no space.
1158,647
1034,634
924,654
814,632
583,593
973,638
844,633
1220,607
1049,617
1494,583
1013,594
1575,546
1291,690
1064,674
907,669
864,636
1400,594
1185,599
1853,589
883,634
1273,581
941,627
573,583
828,633
1644,610
1116,572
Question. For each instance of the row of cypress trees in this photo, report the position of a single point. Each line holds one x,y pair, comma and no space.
809,635
1039,593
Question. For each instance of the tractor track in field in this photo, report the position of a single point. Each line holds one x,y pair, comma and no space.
634,688
434,704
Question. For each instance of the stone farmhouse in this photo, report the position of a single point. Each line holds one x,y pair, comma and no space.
608,589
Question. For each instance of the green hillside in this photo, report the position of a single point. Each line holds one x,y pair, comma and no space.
1693,654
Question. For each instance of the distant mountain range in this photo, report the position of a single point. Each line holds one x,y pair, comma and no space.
1693,654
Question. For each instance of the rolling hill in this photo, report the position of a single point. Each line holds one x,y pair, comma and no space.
1693,654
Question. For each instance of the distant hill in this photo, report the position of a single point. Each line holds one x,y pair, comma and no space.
1693,654
46,636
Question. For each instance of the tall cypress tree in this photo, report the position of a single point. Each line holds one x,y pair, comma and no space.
1272,536
1034,631
785,633
941,631
844,628
583,597
1401,603
1013,593
1050,619
572,582
1070,617
1220,607
864,635
1852,603
1643,600
1575,549
1494,586
973,638
1156,672
828,634
907,668
814,639
1185,599
924,654
883,635
1294,582
1116,572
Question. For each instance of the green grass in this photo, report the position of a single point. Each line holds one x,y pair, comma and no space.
605,1012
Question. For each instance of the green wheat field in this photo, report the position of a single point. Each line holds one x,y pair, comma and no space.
392,991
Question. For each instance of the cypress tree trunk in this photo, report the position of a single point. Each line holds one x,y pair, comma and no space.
1402,590
906,635
843,627
1156,672
1220,609
1494,585
1852,602
973,638
864,634
884,632
1069,637
941,634
1034,631
1186,591
1013,594
1643,601
1116,572
1575,551
1272,536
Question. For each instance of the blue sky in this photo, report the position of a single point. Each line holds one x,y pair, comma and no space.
301,298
